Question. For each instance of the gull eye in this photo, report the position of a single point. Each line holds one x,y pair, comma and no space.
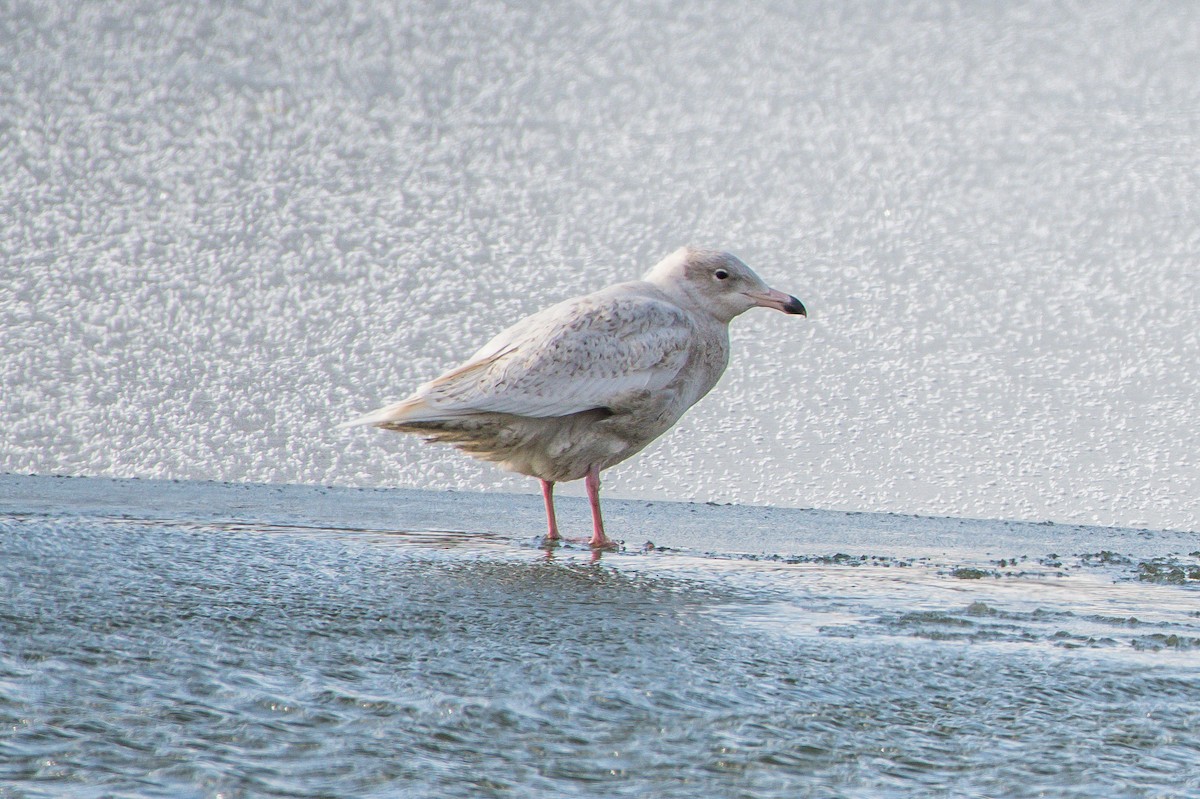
720,274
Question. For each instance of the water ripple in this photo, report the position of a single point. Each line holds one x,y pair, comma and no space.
153,658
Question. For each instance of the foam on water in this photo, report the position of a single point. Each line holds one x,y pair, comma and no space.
228,227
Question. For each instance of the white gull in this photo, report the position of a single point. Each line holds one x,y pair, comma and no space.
574,389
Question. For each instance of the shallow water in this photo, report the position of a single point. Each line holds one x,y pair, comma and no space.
202,639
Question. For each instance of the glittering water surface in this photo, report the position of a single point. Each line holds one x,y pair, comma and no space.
161,639
258,220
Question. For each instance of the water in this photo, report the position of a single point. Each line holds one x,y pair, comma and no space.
182,639
230,225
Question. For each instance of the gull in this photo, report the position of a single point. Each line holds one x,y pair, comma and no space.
585,384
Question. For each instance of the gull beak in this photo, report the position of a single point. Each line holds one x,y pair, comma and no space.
777,300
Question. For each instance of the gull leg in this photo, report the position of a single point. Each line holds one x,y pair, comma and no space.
548,497
599,539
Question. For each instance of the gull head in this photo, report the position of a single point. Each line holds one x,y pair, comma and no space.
717,282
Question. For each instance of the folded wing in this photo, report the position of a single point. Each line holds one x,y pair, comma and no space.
581,354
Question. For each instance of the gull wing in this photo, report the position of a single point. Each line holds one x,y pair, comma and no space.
580,354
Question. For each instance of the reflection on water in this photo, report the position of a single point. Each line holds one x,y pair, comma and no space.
160,658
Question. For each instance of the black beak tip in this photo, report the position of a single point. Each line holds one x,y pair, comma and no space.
794,306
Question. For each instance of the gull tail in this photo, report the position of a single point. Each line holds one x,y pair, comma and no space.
409,410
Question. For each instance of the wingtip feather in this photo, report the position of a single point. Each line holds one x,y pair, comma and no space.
397,412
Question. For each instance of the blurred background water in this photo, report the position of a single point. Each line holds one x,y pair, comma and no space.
228,226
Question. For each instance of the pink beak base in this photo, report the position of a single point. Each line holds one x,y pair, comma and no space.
779,301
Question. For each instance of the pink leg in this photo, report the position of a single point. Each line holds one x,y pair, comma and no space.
548,497
599,539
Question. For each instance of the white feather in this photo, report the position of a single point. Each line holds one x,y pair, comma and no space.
584,353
